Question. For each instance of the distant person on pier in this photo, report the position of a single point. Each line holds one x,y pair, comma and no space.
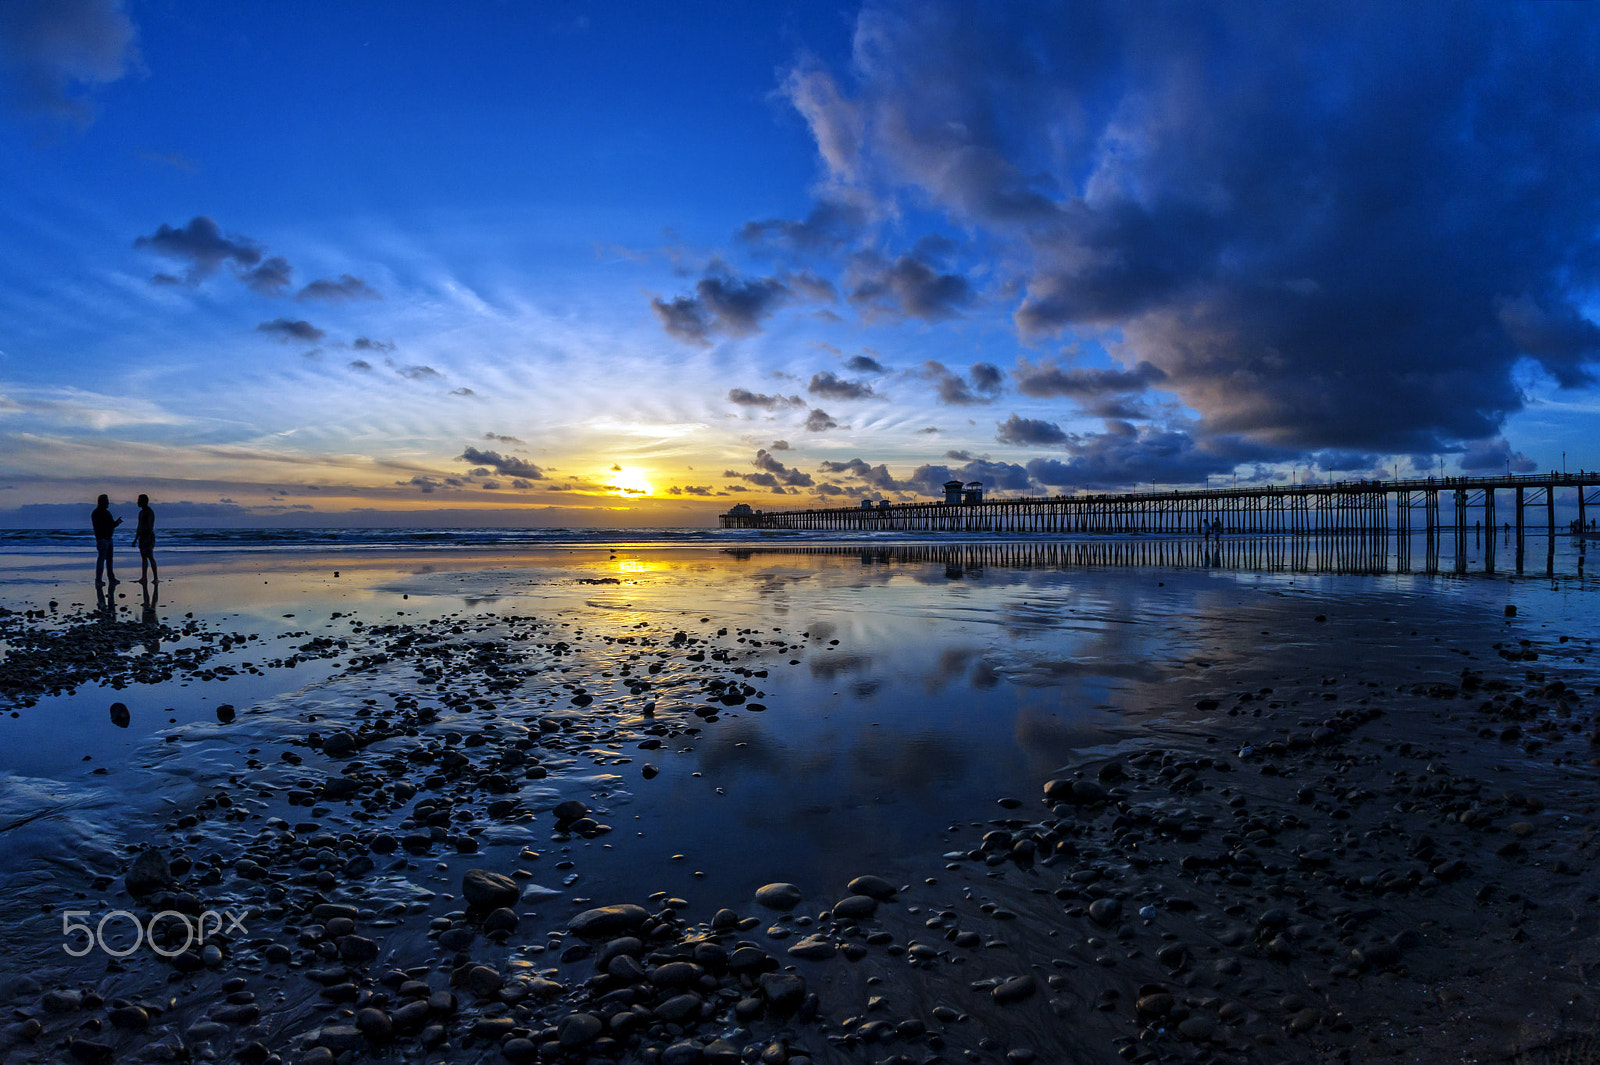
144,538
104,526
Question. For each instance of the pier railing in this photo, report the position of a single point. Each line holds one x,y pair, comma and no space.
1322,508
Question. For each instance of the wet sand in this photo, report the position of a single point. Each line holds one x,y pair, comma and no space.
1027,814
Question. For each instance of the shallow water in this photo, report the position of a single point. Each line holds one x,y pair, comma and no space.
909,686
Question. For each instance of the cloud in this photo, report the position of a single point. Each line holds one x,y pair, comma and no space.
820,421
827,227
53,52
927,429
812,286
983,385
502,438
417,373
828,386
722,303
368,344
907,287
360,365
746,398
1495,456
338,290
765,462
268,279
1048,379
1353,248
780,445
1560,340
291,329
998,476
1029,432
1125,455
462,392
202,244
837,124
864,364
509,465
958,456
873,476
693,490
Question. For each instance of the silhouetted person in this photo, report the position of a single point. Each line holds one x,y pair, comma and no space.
144,537
104,526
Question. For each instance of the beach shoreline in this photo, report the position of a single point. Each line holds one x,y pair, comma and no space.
1257,943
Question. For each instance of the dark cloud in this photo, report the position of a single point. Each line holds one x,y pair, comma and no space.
820,421
291,329
202,244
981,388
987,378
872,476
339,290
828,386
812,286
1029,432
268,279
503,438
463,391
361,365
1125,456
827,227
53,52
780,445
864,364
1328,226
1047,379
724,304
1495,456
999,476
1560,340
368,344
509,465
927,429
746,398
784,474
692,490
908,287
417,373
958,456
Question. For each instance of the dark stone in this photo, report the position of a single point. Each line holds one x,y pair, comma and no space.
1015,989
149,873
484,890
609,920
873,886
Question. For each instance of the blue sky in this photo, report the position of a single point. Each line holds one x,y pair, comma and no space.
628,264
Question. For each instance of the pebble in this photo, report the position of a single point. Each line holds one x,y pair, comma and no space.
1015,989
855,907
873,886
485,890
778,896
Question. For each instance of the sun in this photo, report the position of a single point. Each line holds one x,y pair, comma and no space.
629,481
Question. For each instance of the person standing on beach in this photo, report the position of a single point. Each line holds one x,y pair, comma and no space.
144,537
104,526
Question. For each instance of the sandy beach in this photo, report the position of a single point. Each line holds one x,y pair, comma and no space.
787,804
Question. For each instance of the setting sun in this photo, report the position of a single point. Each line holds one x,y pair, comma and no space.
629,481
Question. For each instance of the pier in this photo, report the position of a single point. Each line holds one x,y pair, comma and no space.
1328,508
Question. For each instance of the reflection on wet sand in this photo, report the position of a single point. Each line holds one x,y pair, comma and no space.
1358,554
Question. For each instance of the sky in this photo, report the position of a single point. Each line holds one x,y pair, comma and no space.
584,264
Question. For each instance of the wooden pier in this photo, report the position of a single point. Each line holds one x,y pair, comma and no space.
1339,507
